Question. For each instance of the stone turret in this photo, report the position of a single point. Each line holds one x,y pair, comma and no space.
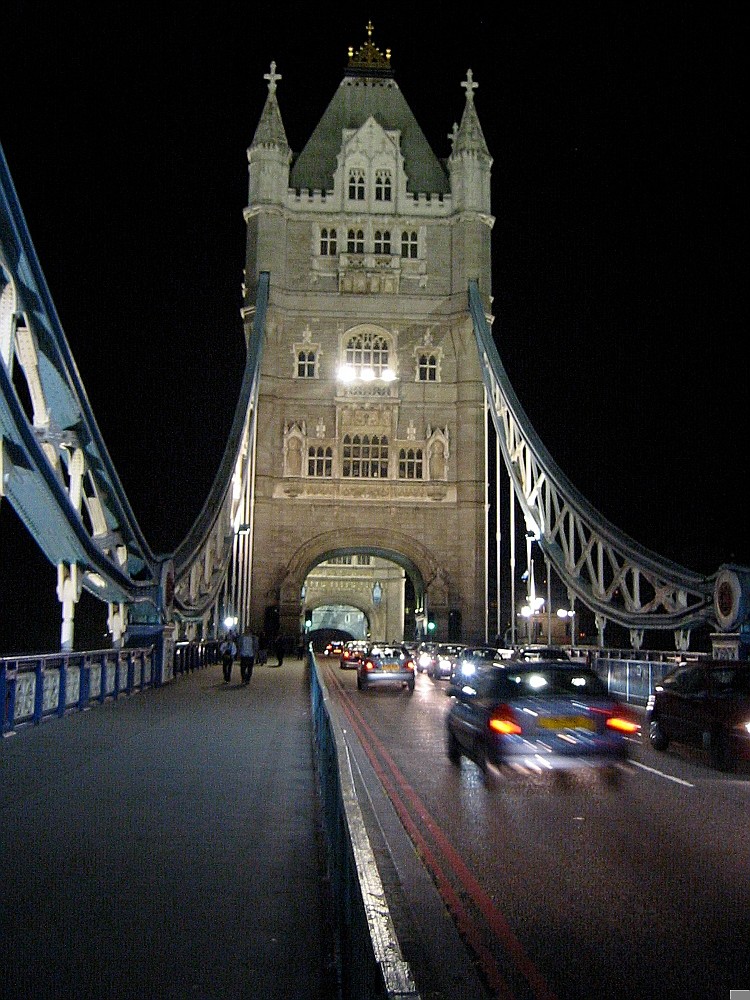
470,162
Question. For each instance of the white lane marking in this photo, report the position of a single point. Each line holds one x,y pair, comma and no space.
661,774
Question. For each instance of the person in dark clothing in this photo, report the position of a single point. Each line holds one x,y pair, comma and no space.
278,648
248,646
228,651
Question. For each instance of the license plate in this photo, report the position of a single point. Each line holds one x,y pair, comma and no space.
566,722
391,666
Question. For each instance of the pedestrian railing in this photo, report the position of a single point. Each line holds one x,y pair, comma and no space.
33,688
371,966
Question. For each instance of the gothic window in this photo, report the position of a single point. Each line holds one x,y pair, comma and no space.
367,350
382,242
328,243
319,461
355,241
382,185
365,457
410,463
409,245
340,560
356,184
427,368
306,364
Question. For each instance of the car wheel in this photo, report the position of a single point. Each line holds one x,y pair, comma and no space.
452,748
719,753
410,687
360,685
656,736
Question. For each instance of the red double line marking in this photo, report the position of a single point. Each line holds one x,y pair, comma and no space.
401,792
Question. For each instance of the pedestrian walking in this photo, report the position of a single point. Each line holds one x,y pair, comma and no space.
228,650
278,648
248,651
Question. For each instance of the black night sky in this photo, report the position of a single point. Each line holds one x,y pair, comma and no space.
619,139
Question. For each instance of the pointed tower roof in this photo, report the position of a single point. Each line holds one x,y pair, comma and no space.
368,90
270,130
469,137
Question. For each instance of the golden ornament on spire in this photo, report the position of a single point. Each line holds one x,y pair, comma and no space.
369,58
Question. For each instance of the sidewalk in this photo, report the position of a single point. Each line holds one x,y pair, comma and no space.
167,846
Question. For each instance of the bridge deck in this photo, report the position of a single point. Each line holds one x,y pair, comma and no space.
167,846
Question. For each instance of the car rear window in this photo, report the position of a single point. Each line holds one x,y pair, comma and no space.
548,681
730,680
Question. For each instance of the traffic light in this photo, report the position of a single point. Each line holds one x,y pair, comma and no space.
430,623
308,619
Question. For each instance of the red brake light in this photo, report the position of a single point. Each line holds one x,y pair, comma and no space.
369,665
409,664
622,725
503,721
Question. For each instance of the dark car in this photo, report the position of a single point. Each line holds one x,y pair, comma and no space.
474,659
333,648
385,663
544,715
425,656
705,705
446,655
535,652
352,653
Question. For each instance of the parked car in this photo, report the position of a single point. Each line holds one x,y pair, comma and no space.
333,648
425,656
352,653
474,659
534,652
446,655
706,705
385,664
550,713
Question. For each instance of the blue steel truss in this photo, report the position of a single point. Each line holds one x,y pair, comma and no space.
55,469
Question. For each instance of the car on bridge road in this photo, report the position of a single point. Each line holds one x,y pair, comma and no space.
474,659
545,715
352,653
385,663
706,705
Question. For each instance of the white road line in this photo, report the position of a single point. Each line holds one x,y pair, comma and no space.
661,774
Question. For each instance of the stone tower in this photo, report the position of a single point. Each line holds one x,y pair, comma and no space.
370,434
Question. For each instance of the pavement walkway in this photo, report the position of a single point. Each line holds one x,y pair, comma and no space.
167,846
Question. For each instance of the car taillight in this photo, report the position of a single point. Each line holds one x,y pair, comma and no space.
369,665
409,665
622,724
503,721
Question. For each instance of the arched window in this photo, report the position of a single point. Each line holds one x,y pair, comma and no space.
410,463
427,368
383,185
355,241
319,461
367,350
409,245
328,243
306,364
356,184
365,457
382,242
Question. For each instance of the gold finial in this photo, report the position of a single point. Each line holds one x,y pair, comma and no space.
369,58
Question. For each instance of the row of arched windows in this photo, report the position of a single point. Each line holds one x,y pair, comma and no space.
382,242
356,188
368,352
365,457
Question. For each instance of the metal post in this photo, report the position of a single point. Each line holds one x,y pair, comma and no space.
512,565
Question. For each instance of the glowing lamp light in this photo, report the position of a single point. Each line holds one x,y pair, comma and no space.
346,373
388,375
367,375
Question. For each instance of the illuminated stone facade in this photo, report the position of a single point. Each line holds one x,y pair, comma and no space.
370,416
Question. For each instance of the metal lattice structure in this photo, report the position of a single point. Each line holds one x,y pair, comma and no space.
57,474
620,580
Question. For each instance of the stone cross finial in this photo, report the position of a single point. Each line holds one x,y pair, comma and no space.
469,85
453,133
272,77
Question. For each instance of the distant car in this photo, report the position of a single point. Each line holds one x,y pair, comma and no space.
474,659
425,656
334,648
535,652
446,655
547,714
705,705
385,664
352,653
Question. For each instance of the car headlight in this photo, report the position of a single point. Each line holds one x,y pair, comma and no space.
468,669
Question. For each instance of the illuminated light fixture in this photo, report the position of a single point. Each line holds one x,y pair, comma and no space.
346,373
367,375
388,375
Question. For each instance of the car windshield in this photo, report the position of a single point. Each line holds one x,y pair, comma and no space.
544,681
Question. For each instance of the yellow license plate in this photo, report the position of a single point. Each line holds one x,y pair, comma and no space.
566,722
